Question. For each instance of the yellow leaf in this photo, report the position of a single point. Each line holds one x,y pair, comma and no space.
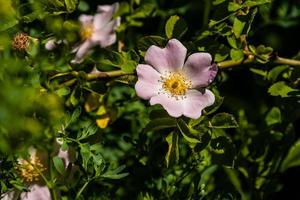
104,117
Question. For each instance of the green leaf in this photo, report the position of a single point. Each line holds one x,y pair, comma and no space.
71,5
175,27
293,157
222,52
115,174
222,151
110,59
252,3
145,42
276,71
233,6
259,71
263,50
89,130
85,155
217,2
161,123
280,89
59,165
238,27
8,24
158,114
186,132
213,108
63,91
236,54
130,61
172,155
273,116
223,120
8,15
232,41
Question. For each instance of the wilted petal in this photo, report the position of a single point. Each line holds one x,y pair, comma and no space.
148,83
86,19
104,15
173,106
195,102
82,51
170,58
199,69
36,192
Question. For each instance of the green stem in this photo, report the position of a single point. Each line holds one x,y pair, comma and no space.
207,6
286,61
110,74
279,60
54,194
82,189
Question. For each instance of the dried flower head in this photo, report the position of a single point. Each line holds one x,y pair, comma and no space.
20,41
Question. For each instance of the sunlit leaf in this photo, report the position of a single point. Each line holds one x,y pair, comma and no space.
175,27
273,116
59,165
280,89
172,155
293,157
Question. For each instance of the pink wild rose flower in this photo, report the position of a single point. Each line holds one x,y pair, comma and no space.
169,80
36,186
97,30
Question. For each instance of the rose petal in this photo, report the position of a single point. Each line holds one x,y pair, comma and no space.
106,36
173,106
199,69
9,196
82,51
105,13
86,19
195,102
148,84
170,58
37,192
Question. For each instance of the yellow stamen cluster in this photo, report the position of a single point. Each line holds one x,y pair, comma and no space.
30,170
20,41
176,84
86,31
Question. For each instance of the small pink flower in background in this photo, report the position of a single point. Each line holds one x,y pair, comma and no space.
169,80
50,44
97,30
30,170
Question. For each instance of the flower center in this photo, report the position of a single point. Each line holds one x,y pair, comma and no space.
30,170
86,31
176,84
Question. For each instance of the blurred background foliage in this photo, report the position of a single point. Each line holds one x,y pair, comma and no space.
125,150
